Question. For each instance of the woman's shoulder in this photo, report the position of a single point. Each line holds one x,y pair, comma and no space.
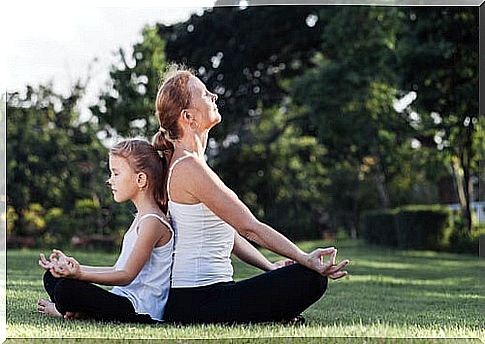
188,165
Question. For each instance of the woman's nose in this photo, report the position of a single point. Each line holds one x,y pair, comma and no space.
214,97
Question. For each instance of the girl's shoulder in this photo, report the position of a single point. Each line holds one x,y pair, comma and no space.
155,220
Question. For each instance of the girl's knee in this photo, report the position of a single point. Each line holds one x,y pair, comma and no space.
64,294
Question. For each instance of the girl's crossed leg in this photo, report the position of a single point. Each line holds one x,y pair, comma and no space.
70,296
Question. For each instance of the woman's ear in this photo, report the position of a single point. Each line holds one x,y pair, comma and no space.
189,119
141,180
186,116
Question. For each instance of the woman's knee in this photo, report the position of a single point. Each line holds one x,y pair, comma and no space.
314,282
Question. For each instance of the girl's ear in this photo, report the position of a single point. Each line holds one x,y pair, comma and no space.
141,180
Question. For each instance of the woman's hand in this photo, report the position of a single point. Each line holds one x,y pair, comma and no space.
315,260
282,263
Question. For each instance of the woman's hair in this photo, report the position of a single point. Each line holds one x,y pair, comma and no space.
144,157
173,96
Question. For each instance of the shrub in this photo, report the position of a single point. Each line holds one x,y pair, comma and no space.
378,227
421,227
415,226
463,241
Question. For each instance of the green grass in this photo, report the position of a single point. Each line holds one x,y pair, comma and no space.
389,293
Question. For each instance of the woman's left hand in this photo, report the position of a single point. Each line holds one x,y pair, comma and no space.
315,260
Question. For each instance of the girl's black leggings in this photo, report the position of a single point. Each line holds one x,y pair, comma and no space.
70,295
276,295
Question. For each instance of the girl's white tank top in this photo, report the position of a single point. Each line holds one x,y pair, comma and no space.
203,243
148,292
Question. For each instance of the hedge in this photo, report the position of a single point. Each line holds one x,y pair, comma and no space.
408,227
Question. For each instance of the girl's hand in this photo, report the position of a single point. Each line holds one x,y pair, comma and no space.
45,263
57,256
67,268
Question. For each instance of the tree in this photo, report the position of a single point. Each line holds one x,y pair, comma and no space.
278,172
438,57
243,53
350,97
128,106
53,163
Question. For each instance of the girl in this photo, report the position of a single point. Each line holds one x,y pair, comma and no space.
141,275
210,222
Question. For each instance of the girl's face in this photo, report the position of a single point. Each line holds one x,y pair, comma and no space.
122,180
203,105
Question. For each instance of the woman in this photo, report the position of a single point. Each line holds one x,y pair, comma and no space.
210,223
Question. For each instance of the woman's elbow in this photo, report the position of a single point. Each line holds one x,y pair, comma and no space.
250,230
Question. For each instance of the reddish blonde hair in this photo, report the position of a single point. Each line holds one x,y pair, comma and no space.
144,157
173,96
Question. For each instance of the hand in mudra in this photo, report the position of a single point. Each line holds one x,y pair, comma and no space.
315,260
60,265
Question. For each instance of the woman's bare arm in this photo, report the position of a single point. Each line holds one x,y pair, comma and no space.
249,254
204,185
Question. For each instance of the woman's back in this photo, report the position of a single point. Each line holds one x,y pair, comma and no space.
203,243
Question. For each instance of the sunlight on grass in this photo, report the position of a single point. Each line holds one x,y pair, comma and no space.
388,294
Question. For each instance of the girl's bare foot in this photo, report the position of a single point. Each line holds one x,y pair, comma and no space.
48,308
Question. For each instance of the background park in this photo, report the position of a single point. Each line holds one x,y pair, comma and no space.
353,126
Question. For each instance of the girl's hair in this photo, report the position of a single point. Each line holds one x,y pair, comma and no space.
144,157
173,96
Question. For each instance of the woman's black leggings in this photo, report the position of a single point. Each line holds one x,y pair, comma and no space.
70,295
276,295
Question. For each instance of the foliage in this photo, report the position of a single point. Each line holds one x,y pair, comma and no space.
311,134
278,173
379,227
462,240
408,227
438,57
244,53
128,105
421,227
53,162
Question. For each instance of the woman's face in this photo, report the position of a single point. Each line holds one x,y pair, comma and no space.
203,105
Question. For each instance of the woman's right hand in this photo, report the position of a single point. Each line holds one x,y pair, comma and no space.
315,260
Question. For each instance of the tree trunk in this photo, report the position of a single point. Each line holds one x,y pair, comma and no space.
462,181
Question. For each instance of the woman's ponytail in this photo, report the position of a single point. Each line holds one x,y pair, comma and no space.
163,144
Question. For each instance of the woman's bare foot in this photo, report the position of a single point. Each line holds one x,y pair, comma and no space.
48,308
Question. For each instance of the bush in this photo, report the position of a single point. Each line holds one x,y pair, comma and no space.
378,227
463,241
415,226
421,227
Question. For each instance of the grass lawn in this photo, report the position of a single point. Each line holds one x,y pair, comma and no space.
389,293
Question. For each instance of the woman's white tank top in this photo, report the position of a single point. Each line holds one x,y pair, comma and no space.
203,243
148,292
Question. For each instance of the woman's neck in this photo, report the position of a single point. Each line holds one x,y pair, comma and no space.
194,143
